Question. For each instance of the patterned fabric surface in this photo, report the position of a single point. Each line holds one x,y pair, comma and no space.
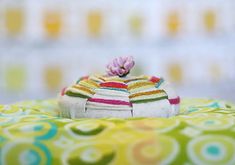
203,133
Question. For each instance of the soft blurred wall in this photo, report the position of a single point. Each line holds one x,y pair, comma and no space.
48,44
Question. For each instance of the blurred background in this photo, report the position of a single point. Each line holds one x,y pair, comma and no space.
48,44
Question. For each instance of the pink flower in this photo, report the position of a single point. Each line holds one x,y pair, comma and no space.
120,66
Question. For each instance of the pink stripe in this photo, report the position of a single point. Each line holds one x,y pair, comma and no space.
113,84
63,91
154,79
115,102
175,100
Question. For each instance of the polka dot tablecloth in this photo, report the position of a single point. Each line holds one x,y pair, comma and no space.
32,133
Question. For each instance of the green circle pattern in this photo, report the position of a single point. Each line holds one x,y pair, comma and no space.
212,149
33,130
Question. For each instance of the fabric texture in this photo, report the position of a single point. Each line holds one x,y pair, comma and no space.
203,133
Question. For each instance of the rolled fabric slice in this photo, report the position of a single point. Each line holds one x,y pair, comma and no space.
173,98
159,108
71,107
140,85
89,84
97,78
79,91
148,96
175,106
111,95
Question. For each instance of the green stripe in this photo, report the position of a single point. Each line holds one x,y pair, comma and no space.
78,81
150,100
88,133
69,93
115,89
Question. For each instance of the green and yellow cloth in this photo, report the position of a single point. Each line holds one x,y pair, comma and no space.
32,133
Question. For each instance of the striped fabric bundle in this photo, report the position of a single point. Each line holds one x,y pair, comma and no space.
79,91
144,90
114,96
110,96
143,97
83,88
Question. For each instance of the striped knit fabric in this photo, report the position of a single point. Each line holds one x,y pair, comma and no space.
115,93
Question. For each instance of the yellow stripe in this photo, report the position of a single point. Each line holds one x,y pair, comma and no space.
148,97
140,84
114,80
90,82
136,79
135,90
146,93
96,78
83,89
